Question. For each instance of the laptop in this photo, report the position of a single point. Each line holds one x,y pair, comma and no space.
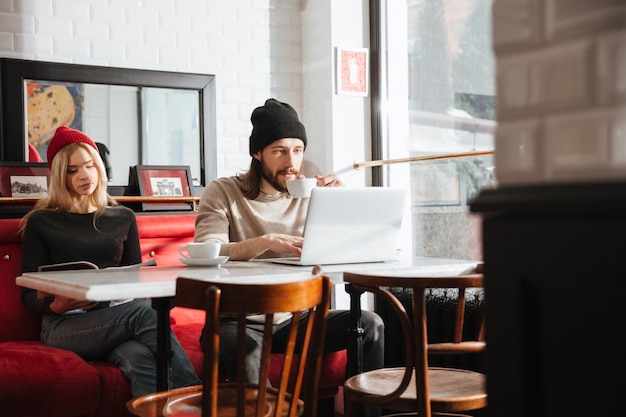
350,225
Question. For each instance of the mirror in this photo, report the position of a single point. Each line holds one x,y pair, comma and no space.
142,117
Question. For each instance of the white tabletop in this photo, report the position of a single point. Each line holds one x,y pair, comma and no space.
145,282
417,265
151,281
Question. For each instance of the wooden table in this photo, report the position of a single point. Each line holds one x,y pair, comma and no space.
416,267
159,284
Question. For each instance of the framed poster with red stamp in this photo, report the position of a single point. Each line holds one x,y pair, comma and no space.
352,72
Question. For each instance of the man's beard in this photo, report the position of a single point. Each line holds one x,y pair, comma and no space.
272,178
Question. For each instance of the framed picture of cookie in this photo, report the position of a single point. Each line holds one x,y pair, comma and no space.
24,179
50,105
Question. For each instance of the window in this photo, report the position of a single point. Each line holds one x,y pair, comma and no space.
439,51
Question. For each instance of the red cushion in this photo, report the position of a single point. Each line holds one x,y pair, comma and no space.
331,377
161,235
333,369
10,231
163,225
114,390
40,380
17,322
187,315
189,337
163,250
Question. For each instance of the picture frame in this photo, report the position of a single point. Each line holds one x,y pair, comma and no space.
164,181
66,99
24,179
15,73
352,72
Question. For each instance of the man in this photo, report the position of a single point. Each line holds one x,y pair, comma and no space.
252,215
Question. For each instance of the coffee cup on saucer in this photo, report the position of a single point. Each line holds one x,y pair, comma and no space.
199,250
301,187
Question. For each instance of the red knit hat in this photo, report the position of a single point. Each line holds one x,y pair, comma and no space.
64,136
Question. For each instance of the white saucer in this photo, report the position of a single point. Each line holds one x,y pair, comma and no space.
204,262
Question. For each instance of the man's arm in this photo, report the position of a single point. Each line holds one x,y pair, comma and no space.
215,212
212,223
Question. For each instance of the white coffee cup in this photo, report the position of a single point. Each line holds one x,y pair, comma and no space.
301,187
199,250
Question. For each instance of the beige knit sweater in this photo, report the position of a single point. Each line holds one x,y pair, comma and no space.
226,216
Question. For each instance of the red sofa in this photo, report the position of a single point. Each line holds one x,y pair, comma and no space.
37,380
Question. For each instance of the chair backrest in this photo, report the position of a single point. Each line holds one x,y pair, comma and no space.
307,298
415,329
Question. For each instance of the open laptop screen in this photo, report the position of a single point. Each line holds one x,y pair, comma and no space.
351,225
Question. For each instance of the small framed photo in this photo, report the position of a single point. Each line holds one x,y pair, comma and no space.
24,179
164,181
352,71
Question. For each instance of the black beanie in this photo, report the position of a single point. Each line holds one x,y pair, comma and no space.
272,121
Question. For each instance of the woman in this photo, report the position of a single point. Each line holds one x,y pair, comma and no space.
79,221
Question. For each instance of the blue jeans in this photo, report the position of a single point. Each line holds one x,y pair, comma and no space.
124,335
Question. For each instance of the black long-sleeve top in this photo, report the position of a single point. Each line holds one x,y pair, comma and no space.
51,238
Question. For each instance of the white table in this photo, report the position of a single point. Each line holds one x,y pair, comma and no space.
145,282
159,284
155,282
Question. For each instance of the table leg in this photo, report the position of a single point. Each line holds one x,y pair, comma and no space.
163,305
355,333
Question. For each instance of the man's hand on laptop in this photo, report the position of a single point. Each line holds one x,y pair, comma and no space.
329,181
279,243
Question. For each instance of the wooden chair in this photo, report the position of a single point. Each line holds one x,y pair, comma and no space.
296,392
417,387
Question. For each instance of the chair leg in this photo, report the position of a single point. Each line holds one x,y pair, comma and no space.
326,407
351,408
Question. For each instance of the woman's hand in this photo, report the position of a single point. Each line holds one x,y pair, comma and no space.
329,181
62,304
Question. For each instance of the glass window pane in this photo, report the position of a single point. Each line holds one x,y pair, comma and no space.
439,51
171,128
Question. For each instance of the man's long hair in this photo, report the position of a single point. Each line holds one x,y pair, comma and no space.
251,180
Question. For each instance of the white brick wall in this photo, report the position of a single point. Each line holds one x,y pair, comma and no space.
252,46
561,77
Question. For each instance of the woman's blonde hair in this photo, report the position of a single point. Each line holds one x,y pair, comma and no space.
59,197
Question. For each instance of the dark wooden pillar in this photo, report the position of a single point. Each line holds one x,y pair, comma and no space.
555,279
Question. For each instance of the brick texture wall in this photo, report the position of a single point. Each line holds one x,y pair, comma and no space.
253,47
561,90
